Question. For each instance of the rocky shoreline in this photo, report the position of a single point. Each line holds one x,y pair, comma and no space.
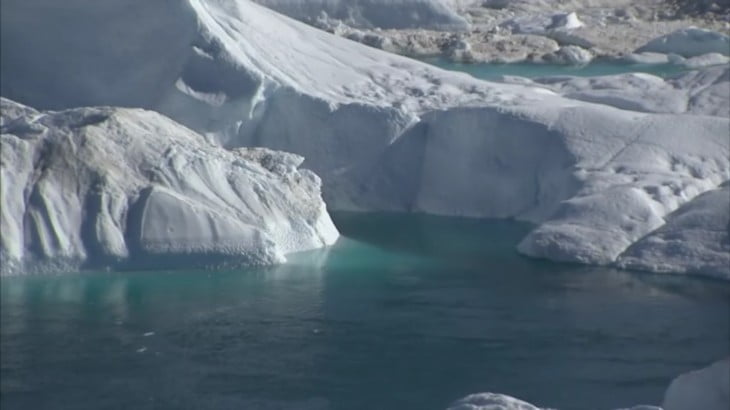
575,32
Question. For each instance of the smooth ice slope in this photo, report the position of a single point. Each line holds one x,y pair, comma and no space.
383,132
103,187
689,42
695,239
707,389
386,14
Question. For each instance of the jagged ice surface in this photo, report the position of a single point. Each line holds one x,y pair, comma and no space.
98,187
706,389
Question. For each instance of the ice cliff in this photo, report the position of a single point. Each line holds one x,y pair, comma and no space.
383,132
112,187
385,14
706,389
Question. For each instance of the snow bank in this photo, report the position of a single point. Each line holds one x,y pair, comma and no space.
695,239
689,42
383,132
98,187
386,14
628,188
706,389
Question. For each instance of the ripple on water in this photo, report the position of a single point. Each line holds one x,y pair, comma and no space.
405,311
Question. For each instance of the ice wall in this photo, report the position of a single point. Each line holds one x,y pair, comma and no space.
382,131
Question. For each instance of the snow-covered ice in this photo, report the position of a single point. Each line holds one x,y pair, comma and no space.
97,187
704,92
398,14
706,389
490,401
382,131
695,239
542,24
689,42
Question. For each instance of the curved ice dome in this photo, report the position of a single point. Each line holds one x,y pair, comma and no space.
97,187
689,42
491,401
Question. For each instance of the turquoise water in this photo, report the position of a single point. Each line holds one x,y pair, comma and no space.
404,312
496,71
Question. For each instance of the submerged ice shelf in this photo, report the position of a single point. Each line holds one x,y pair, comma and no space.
595,172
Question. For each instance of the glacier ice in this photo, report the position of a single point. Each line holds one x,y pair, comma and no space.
702,92
99,187
490,401
694,239
707,389
595,172
689,42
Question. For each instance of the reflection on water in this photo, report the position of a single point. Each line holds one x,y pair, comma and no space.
404,311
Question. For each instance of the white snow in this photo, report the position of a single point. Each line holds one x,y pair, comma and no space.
696,92
706,60
695,239
707,389
689,42
383,132
543,23
559,27
573,55
108,186
491,401
386,14
496,401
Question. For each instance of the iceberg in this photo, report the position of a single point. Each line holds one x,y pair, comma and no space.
115,187
701,92
382,131
491,401
707,389
689,42
695,239
384,14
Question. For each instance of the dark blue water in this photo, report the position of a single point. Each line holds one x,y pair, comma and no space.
494,72
404,312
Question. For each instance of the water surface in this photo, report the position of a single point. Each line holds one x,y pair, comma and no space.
494,72
404,312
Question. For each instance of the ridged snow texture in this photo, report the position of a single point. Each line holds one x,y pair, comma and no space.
102,187
596,173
